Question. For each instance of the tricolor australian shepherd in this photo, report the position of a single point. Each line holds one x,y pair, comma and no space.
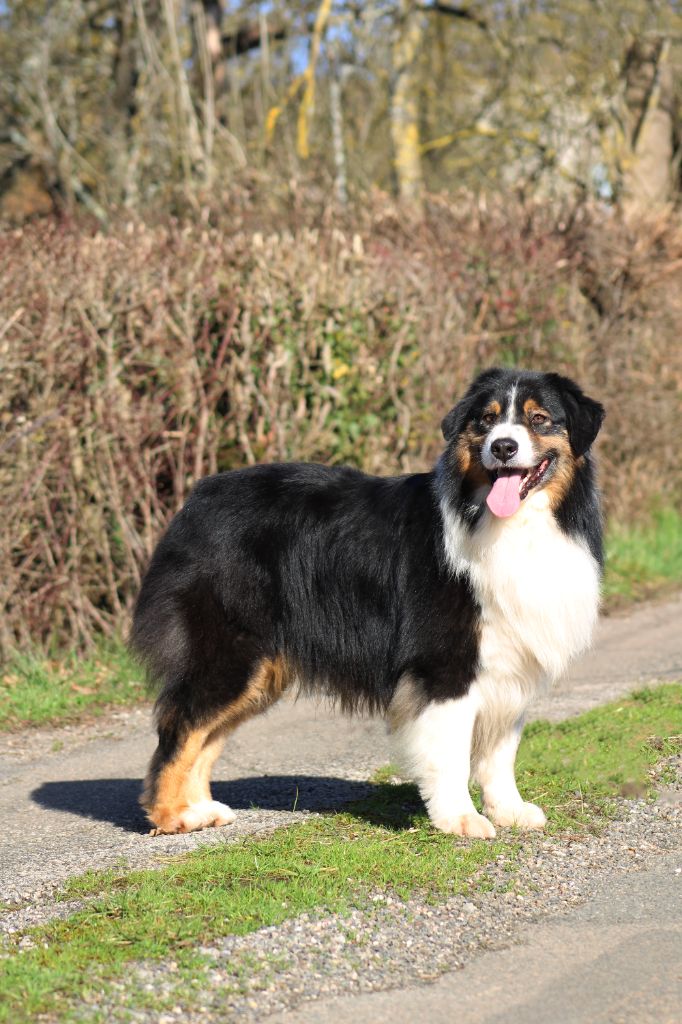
441,600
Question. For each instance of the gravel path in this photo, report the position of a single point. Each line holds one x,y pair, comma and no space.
68,800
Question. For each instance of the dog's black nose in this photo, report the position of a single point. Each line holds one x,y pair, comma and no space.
504,448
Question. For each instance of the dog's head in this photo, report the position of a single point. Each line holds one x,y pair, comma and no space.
516,433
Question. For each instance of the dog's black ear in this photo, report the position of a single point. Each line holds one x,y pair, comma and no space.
584,416
454,422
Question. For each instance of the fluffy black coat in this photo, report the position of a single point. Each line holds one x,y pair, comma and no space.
344,575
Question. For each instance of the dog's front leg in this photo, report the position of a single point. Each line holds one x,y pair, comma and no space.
501,798
434,746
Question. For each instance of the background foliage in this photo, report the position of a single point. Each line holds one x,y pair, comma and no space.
139,360
243,232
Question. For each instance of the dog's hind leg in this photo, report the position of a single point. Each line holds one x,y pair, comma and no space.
177,793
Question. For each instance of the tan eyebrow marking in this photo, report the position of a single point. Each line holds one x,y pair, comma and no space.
530,406
493,407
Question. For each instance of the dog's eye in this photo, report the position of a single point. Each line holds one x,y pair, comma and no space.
539,419
489,418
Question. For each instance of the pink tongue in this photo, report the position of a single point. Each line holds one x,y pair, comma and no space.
504,498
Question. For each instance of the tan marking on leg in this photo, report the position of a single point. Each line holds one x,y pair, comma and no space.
199,781
266,685
173,788
181,791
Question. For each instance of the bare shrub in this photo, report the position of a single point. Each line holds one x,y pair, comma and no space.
136,361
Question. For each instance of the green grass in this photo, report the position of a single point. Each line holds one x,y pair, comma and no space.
38,690
643,560
610,750
329,864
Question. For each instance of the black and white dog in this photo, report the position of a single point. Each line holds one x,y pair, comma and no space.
441,600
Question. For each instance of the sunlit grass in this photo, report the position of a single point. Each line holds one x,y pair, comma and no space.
643,559
35,690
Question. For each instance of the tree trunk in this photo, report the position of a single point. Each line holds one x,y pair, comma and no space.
409,35
649,126
340,175
125,63
211,44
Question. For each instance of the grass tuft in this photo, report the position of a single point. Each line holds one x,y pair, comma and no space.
645,559
35,690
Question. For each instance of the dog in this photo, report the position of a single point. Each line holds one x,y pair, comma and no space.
441,600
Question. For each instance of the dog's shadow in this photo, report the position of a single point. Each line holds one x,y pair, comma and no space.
116,800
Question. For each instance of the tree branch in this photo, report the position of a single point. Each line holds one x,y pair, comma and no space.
248,37
464,13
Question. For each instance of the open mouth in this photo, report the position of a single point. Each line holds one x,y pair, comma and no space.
511,486
533,477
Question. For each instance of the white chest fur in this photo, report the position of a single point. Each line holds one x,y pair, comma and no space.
538,590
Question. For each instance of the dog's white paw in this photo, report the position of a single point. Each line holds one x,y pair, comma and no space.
473,825
203,814
523,815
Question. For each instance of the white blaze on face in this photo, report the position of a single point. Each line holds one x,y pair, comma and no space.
504,497
525,457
